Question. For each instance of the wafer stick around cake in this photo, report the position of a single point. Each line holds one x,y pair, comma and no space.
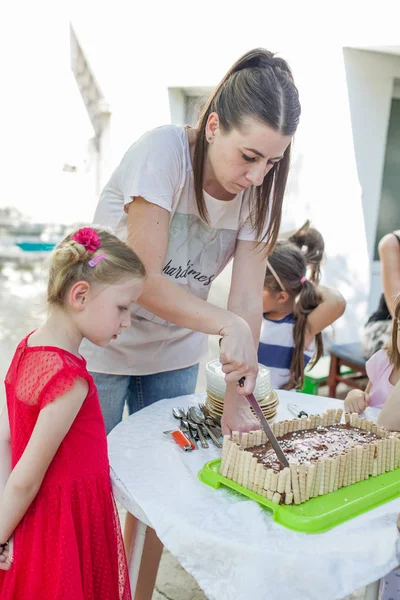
225,446
227,454
302,482
232,463
253,466
342,466
332,474
353,477
244,440
242,458
386,455
268,478
311,472
338,416
247,461
238,456
379,445
257,476
318,477
397,453
295,482
392,452
274,481
236,437
327,475
261,482
276,498
359,455
281,487
336,482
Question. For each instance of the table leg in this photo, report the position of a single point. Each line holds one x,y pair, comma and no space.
135,554
372,591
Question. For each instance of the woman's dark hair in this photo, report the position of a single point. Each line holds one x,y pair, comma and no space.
260,86
290,260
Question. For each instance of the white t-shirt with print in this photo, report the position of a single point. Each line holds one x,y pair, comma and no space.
158,167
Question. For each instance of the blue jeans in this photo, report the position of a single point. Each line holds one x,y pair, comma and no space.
138,391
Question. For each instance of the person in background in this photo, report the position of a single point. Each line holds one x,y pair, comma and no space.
295,308
383,391
377,330
59,526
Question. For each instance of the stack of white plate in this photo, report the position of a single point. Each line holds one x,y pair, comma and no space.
216,387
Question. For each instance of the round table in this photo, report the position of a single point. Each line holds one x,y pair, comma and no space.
231,545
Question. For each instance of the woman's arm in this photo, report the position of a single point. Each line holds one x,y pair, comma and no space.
389,416
389,253
245,300
148,233
331,308
25,479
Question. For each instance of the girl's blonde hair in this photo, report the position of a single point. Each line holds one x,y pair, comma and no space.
392,348
70,262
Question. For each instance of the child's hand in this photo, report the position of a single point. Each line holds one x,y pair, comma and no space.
7,558
356,401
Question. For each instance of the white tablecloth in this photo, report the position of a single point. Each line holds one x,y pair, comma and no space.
230,544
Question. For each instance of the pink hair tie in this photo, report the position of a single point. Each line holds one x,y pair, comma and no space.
303,279
88,238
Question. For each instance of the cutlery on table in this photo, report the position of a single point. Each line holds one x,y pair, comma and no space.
196,415
180,414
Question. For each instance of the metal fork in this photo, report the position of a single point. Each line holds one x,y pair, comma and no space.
211,421
204,410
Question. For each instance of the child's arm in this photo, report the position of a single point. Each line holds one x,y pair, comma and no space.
389,253
389,416
25,480
357,401
331,308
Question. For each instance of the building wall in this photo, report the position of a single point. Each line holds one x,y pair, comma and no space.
370,80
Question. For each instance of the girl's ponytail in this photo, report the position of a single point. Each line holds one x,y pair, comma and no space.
311,243
308,299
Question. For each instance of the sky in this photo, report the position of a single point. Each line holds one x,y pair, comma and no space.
44,124
43,120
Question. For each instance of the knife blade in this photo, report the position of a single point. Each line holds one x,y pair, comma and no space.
265,425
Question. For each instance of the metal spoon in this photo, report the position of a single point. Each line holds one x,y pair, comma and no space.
180,414
197,427
197,417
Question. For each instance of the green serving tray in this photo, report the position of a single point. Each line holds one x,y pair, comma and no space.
321,513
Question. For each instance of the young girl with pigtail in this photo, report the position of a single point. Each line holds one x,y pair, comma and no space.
59,526
295,308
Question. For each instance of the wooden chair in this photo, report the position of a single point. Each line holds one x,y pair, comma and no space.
351,356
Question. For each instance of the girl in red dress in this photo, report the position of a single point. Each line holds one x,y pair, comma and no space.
59,528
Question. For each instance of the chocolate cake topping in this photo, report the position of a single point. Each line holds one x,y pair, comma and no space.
312,444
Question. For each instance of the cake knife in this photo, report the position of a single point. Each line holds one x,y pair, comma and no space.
265,425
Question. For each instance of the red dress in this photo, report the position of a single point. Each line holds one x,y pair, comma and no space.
69,544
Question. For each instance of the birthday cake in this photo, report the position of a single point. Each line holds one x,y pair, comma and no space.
323,453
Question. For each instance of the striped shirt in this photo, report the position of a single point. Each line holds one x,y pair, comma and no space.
276,348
